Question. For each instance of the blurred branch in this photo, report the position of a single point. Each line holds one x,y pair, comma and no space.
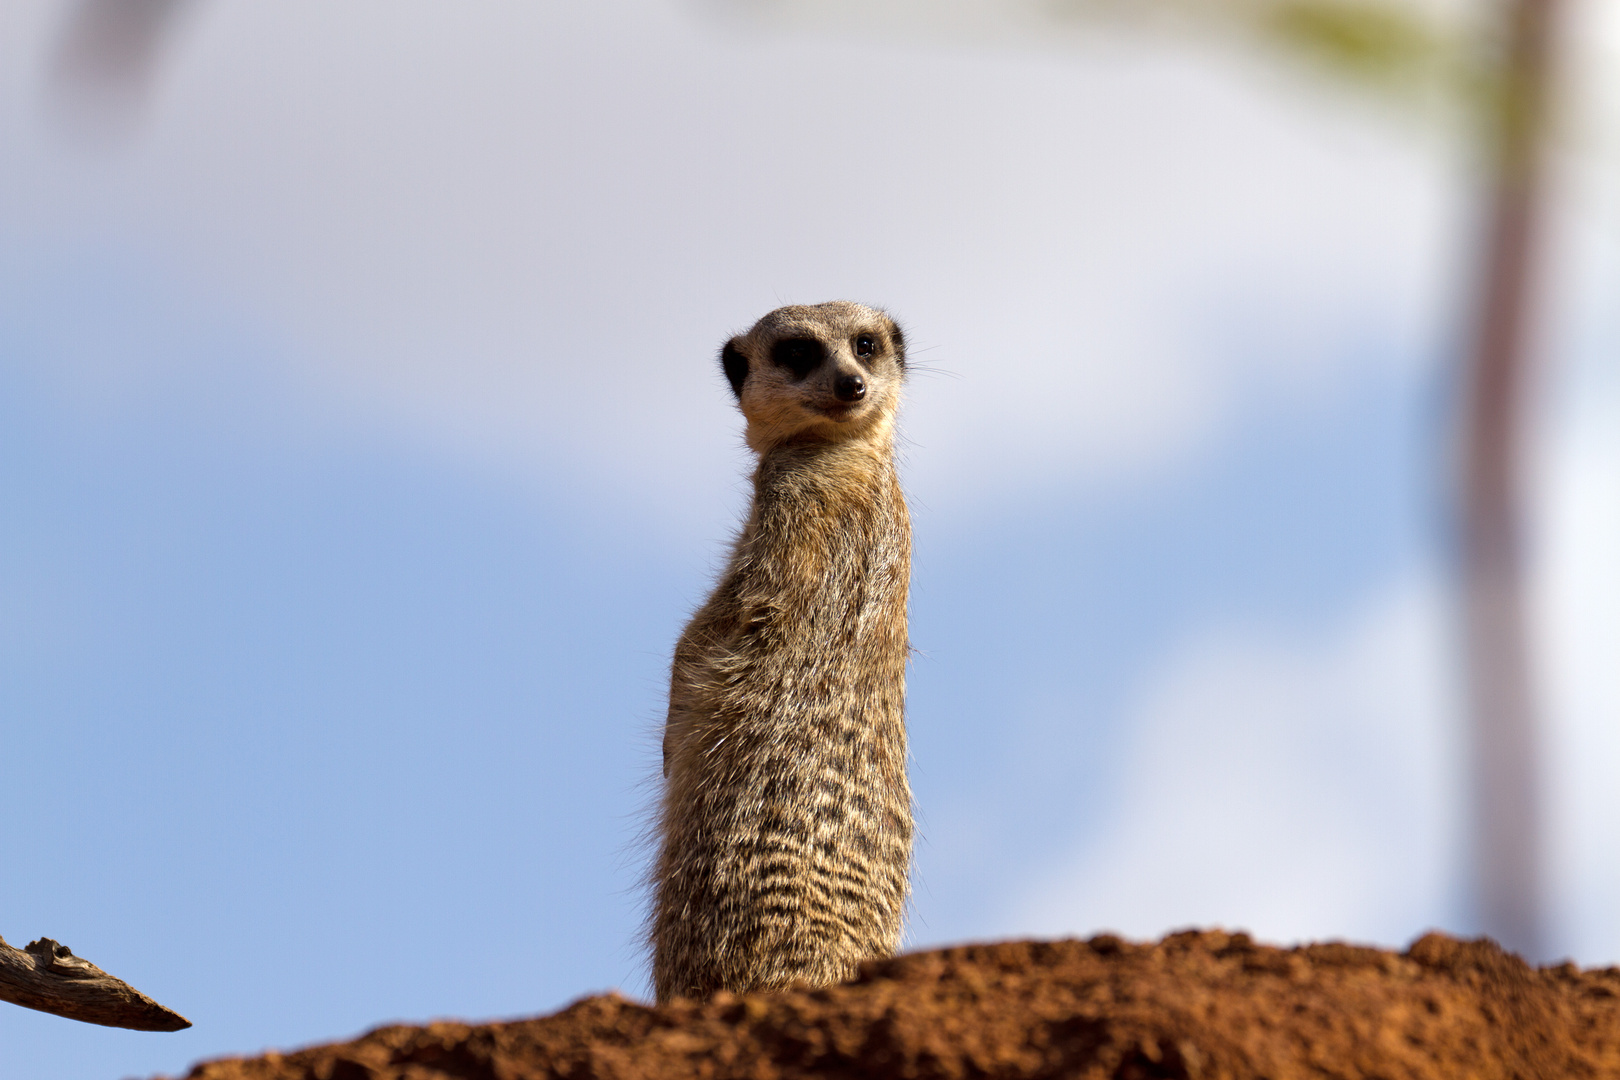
108,59
48,977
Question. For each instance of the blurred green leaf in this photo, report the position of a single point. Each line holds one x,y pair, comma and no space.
1397,47
1375,40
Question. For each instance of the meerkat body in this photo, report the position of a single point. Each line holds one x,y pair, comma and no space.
786,820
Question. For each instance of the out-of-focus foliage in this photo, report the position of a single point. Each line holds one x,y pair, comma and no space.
1409,49
1374,40
1433,54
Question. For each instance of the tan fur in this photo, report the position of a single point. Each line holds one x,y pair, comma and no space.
786,820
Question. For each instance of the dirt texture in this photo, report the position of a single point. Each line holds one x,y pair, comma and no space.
1194,1005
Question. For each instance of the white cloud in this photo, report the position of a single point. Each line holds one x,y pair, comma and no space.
1576,602
1299,786
1575,515
521,231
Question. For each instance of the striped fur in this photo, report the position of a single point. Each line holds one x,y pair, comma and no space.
786,821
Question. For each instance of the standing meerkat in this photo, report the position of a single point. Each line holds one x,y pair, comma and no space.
786,818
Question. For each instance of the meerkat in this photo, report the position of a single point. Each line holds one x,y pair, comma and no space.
786,818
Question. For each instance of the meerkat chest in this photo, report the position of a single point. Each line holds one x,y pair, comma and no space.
827,577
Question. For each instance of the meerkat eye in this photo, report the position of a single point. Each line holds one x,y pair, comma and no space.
865,345
800,356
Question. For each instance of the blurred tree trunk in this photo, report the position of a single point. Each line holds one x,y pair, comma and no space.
1506,765
1506,83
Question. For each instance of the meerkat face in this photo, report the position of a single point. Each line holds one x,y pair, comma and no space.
828,371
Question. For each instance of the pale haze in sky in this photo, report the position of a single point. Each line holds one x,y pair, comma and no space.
363,449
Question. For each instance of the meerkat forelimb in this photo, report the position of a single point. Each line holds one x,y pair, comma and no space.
786,818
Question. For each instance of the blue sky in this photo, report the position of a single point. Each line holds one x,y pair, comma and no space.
362,452
331,699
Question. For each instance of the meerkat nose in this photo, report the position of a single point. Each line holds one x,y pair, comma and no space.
850,388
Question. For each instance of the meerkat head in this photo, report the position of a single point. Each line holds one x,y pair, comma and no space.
827,372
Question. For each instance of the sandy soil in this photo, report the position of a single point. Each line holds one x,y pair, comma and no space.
1195,1005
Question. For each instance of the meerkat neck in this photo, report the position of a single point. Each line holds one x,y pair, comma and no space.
851,464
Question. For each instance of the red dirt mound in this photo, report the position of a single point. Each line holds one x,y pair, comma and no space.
1195,1005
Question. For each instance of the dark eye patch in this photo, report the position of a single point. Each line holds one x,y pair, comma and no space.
800,356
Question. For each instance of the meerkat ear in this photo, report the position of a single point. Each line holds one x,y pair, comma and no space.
897,341
735,365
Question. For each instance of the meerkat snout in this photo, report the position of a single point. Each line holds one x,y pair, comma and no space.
850,388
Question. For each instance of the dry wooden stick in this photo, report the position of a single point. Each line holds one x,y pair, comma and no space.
48,977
